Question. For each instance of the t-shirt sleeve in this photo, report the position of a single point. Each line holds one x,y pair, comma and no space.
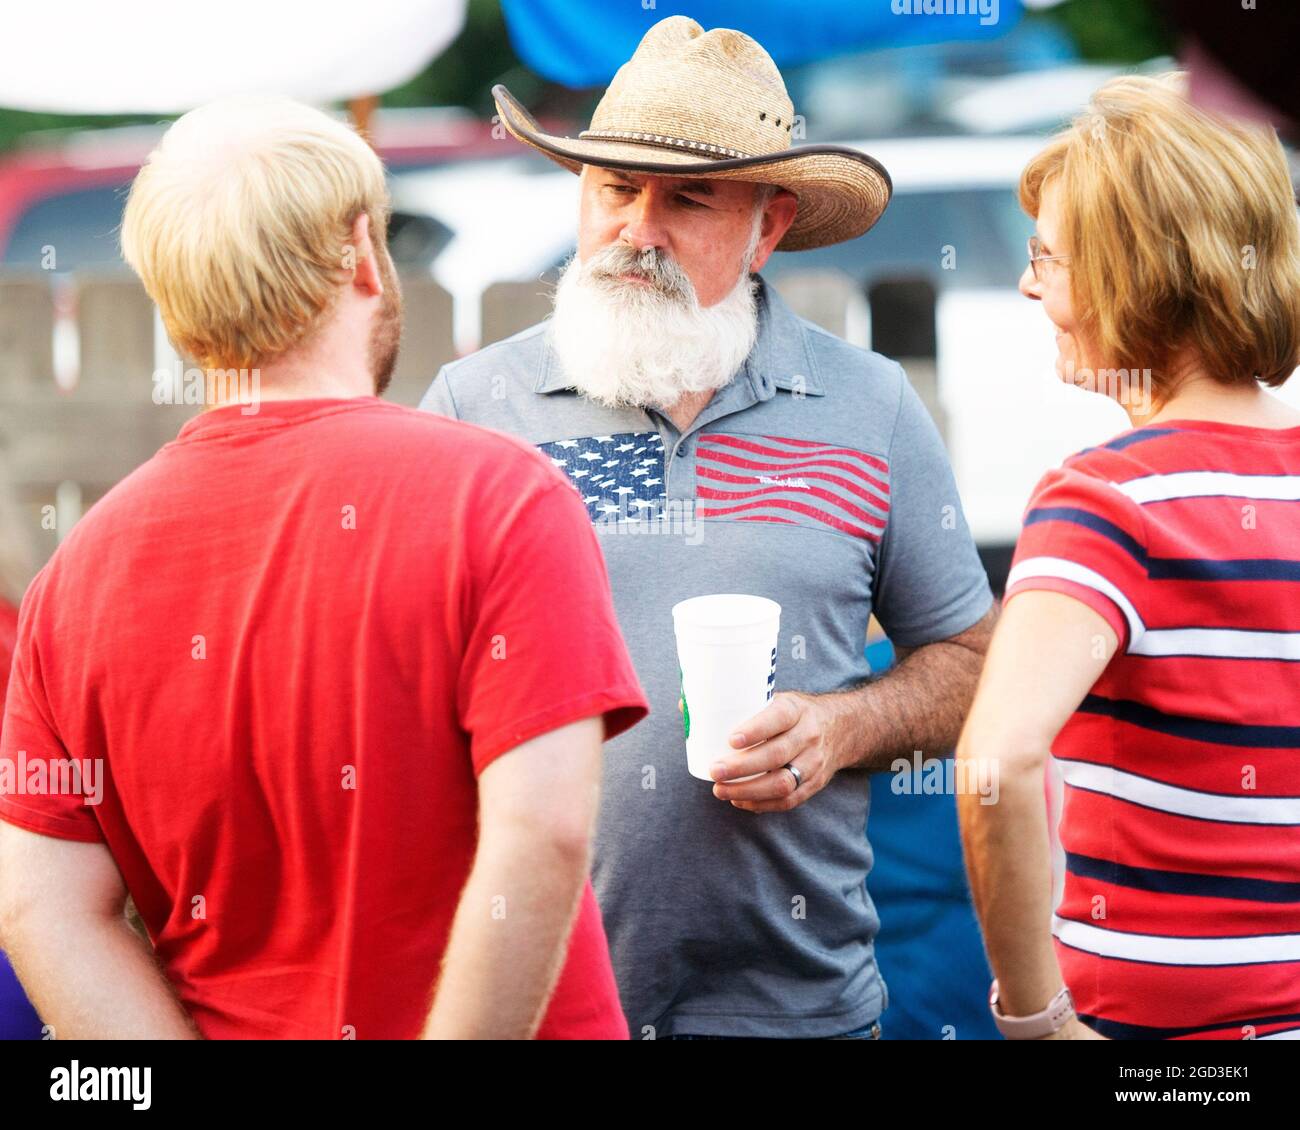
1084,538
544,647
40,784
930,584
438,399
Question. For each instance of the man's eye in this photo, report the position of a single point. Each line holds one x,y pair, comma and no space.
621,189
692,202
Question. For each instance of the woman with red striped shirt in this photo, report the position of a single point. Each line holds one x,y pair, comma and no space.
1150,638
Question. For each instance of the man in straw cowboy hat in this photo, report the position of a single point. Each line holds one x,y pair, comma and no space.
685,400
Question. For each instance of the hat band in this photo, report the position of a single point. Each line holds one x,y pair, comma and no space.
661,139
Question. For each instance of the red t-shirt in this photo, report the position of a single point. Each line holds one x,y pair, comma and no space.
1180,916
8,634
295,638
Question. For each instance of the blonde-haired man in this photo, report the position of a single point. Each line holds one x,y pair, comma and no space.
271,267
279,665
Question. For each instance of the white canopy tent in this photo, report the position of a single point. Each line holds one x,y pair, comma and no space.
165,56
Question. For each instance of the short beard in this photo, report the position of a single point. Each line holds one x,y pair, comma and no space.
386,332
626,344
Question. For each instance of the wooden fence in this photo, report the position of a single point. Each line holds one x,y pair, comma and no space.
65,441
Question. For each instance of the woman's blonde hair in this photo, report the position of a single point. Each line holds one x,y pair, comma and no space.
240,222
1182,234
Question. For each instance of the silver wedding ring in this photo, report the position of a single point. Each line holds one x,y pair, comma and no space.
798,777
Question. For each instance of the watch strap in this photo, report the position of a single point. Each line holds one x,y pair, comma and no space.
1051,1019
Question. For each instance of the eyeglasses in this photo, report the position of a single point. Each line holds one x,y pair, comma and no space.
1036,256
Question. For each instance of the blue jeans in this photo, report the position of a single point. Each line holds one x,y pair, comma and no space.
866,1032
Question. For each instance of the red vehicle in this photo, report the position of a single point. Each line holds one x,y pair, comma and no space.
61,194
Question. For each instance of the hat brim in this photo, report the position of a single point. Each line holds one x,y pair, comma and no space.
842,192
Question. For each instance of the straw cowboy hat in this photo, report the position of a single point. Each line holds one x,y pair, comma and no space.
691,103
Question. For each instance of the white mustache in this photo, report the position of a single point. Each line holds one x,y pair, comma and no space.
622,343
651,265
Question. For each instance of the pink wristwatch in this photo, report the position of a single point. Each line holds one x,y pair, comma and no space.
1051,1019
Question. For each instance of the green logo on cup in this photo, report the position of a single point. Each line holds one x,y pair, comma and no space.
686,710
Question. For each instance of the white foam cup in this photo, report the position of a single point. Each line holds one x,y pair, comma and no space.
726,652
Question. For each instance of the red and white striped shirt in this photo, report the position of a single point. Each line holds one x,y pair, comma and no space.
1180,916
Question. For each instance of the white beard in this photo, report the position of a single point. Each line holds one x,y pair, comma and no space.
628,345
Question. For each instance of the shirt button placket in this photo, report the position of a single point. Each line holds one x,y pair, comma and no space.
681,477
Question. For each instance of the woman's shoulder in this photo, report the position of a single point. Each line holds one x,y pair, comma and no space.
1096,478
1133,451
1185,458
1137,459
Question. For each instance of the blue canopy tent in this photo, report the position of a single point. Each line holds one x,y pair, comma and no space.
581,43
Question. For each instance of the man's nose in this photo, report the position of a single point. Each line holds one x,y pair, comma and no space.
646,227
1030,286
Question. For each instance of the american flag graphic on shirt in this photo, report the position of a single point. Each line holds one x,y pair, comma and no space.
620,476
794,481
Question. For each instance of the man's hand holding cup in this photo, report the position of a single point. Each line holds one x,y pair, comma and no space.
787,744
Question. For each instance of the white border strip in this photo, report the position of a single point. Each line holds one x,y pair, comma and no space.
1202,484
1178,801
1177,951
1220,643
1082,575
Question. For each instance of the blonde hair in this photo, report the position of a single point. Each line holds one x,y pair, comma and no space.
239,225
1182,234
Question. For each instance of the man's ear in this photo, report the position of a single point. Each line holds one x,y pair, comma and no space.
360,257
777,218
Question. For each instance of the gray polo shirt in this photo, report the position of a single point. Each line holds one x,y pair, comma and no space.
815,478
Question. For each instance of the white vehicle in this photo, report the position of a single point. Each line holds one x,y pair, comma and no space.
508,219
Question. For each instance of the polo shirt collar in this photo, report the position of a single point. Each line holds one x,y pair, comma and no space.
781,357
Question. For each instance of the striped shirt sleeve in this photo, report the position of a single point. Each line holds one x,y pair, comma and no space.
1082,537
